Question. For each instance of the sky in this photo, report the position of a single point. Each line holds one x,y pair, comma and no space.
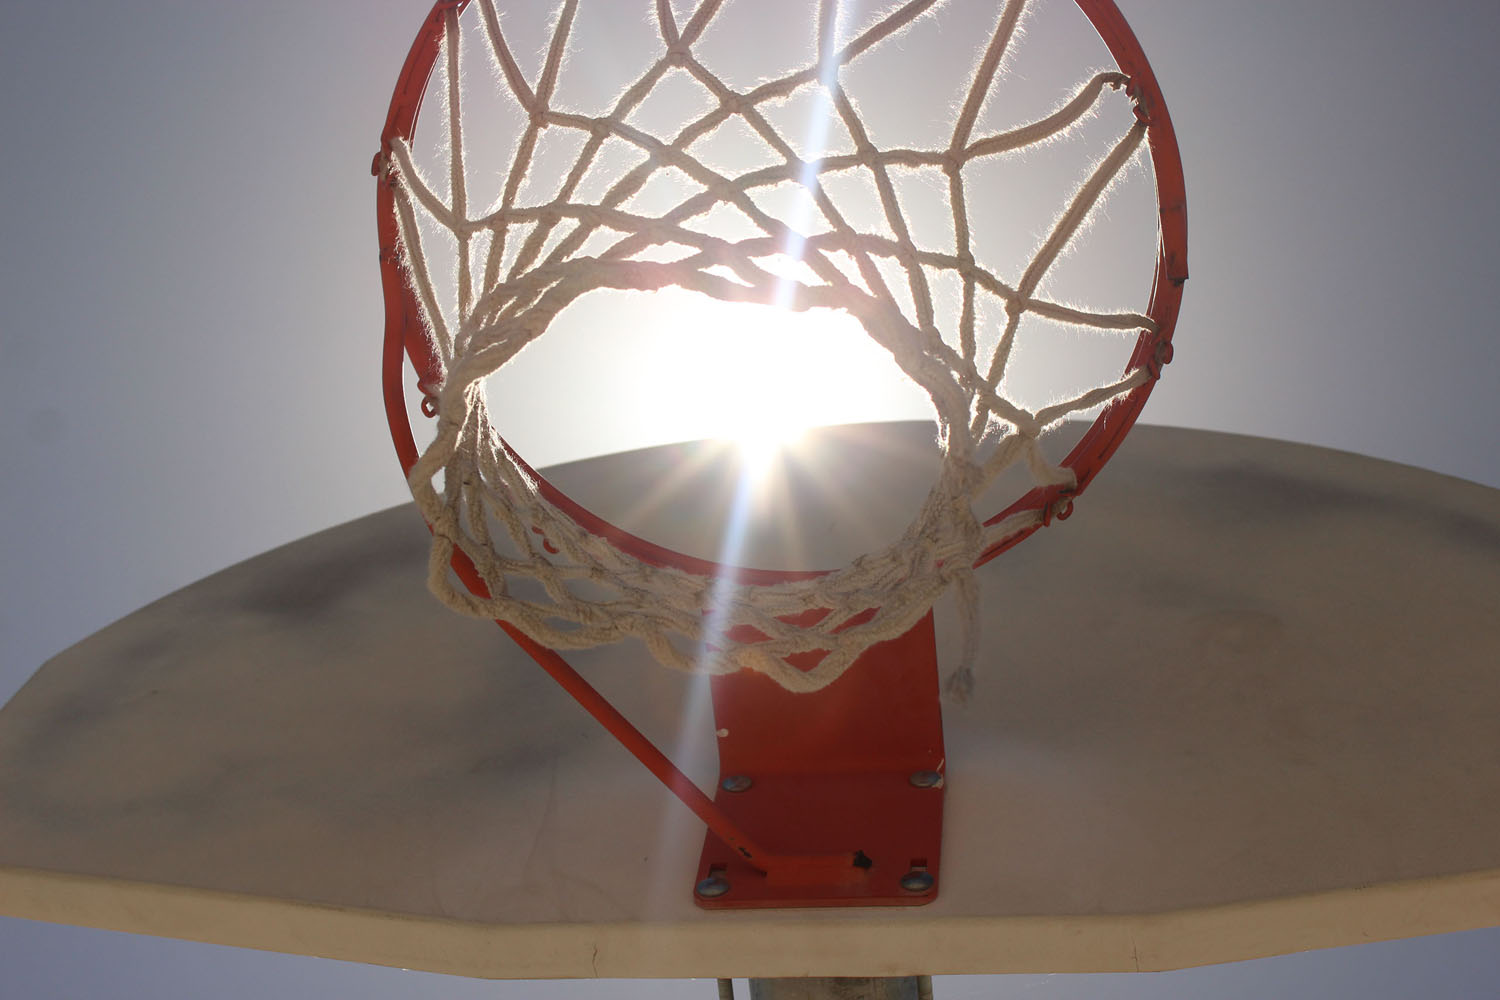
191,318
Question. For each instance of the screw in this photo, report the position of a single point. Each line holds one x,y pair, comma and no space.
714,886
926,779
737,783
917,880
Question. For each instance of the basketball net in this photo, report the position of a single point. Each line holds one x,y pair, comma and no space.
520,262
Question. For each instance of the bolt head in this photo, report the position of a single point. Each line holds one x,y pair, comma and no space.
926,779
713,887
917,880
737,783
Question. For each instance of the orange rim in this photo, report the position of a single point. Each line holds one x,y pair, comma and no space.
406,338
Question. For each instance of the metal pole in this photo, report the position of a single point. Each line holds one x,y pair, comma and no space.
840,988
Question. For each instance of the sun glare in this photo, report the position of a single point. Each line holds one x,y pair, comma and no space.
760,444
763,376
679,366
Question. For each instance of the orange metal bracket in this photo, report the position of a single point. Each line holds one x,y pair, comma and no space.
855,770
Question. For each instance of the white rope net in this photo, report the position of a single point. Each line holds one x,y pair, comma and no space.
519,262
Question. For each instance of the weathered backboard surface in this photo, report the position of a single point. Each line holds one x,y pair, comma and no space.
1244,702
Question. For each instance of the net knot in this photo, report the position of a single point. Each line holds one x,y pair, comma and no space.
968,475
679,54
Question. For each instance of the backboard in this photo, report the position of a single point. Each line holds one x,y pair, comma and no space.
1242,704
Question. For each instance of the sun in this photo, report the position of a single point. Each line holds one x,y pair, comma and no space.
761,376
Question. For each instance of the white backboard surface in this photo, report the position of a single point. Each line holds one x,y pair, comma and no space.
1240,704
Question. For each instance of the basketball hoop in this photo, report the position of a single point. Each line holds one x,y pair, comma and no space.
508,545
